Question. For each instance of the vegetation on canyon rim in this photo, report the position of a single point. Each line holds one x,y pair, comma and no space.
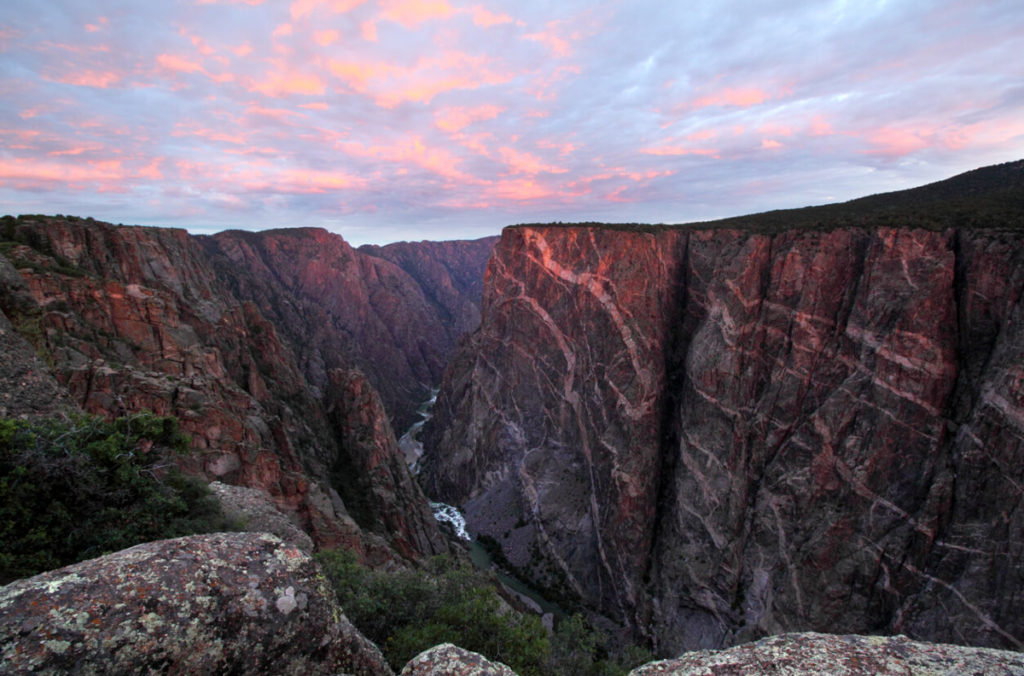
448,601
79,488
76,489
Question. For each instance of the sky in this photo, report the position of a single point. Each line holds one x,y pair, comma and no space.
387,120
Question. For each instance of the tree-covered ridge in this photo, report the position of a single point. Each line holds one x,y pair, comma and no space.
989,197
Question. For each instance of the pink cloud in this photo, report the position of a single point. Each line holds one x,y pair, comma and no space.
486,19
411,13
455,119
98,79
704,135
179,64
278,84
151,170
305,181
518,190
303,8
368,29
182,129
276,113
770,144
894,142
562,148
526,163
821,127
671,149
390,85
743,98
412,150
551,37
34,173
74,151
100,24
315,106
325,38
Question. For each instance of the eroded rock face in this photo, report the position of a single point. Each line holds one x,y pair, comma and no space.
29,389
371,470
820,654
451,275
254,510
341,308
713,435
137,319
450,660
550,417
221,603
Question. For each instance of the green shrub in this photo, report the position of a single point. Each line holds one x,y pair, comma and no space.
408,611
405,612
73,490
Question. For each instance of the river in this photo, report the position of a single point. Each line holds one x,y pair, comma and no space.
412,448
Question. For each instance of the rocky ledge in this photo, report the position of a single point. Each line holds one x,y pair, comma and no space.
221,603
809,654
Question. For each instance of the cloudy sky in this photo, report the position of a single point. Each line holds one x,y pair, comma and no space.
436,119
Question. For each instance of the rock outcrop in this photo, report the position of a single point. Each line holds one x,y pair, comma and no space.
29,390
828,655
450,660
222,603
713,434
339,307
254,510
136,318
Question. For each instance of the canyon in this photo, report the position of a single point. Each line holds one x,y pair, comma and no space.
248,340
798,421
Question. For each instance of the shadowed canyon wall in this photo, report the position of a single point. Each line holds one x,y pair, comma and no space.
709,435
394,312
130,319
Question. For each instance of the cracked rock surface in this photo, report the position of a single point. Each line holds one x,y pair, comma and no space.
450,660
219,603
827,655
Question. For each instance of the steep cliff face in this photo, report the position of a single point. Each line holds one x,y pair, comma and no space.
552,411
340,307
451,275
710,435
136,318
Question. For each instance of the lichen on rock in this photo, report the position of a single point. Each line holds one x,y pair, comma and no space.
219,603
810,654
450,660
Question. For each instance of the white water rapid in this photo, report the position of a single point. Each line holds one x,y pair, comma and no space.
412,448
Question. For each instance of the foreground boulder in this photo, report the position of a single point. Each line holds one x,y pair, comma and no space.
818,654
450,660
221,603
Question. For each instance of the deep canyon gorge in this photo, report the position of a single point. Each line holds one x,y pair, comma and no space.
806,420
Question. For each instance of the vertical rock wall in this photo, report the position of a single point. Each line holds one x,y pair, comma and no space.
712,435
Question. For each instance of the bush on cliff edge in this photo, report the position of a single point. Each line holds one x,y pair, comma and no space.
407,611
74,490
